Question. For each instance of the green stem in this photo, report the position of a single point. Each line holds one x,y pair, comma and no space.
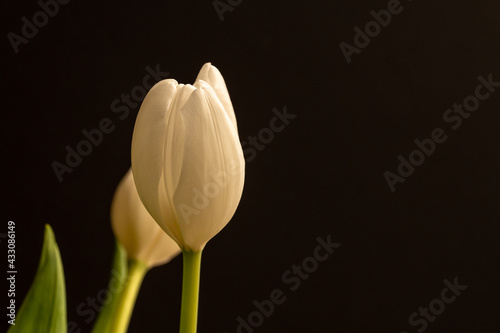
190,291
115,286
126,302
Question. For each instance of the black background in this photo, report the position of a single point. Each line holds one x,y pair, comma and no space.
322,175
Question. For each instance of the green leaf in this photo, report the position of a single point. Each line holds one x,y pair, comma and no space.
116,283
44,308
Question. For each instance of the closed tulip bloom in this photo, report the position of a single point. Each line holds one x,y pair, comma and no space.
136,230
187,158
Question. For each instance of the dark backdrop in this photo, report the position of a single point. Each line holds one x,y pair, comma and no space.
322,175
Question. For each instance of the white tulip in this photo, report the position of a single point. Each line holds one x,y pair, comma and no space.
136,230
187,158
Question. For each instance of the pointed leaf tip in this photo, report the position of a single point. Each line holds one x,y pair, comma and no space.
44,307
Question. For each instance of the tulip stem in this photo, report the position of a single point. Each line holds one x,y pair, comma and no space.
190,291
128,295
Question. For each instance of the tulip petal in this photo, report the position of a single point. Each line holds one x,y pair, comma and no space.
173,156
147,144
211,180
136,229
161,249
211,75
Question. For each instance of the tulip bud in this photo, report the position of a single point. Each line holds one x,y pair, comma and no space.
136,230
187,158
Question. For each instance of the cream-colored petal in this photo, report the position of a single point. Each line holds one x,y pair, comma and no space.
212,176
148,139
173,152
162,248
211,75
136,229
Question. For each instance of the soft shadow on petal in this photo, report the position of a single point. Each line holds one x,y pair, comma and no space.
174,153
